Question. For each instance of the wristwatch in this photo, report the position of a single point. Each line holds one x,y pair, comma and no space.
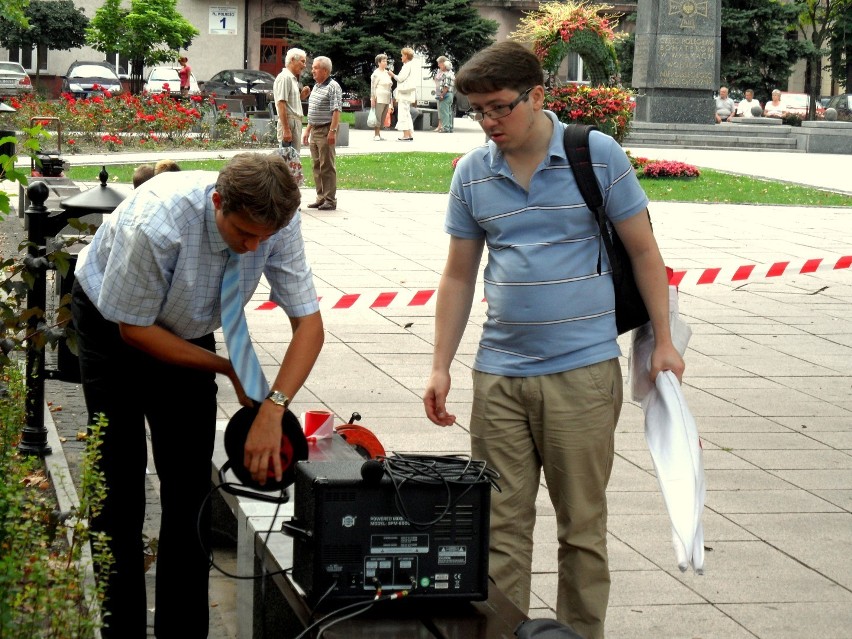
277,397
332,130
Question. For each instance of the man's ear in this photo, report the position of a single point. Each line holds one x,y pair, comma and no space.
537,96
217,200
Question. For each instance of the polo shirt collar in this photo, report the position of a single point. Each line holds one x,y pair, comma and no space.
555,150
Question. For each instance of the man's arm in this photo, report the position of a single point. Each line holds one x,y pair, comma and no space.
455,296
650,272
264,437
158,342
284,119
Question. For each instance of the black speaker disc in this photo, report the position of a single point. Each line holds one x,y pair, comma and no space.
294,448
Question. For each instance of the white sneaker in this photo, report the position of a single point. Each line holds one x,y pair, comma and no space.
378,138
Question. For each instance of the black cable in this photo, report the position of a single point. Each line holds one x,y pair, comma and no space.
431,469
324,595
209,551
365,604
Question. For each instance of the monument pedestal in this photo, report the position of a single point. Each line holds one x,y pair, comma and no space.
686,106
676,61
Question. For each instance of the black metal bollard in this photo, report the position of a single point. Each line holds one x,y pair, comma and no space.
34,435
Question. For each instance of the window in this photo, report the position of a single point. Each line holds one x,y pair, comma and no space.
25,57
121,63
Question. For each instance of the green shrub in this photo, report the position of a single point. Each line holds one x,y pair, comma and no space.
46,585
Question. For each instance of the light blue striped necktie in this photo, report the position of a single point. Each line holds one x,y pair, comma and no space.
234,326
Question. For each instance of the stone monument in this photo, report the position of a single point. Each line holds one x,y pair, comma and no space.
676,60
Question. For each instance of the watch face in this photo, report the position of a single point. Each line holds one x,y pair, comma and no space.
279,398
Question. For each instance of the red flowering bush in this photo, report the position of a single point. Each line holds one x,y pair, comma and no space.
636,162
609,108
136,121
665,169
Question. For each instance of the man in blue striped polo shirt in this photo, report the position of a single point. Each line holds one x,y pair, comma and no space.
547,386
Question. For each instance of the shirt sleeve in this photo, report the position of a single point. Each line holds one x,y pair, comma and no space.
290,278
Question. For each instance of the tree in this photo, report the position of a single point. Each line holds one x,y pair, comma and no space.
354,31
816,23
14,12
841,50
151,32
57,25
757,52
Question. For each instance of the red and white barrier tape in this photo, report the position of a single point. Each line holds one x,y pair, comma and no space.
756,272
696,277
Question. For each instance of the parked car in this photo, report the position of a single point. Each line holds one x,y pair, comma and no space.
351,102
799,103
843,105
161,77
242,82
14,80
85,79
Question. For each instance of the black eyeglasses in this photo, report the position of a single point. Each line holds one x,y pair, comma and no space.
499,111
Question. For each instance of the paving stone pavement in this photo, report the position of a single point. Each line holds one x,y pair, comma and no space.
769,374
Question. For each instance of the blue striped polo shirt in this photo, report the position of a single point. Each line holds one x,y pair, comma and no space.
548,309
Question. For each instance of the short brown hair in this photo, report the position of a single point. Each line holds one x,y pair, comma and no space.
165,165
261,186
142,174
505,65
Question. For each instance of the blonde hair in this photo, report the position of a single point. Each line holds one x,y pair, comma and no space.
407,52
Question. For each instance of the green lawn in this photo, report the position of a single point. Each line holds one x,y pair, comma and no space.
431,173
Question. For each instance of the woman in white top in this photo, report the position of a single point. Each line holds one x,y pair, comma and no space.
381,85
773,108
406,82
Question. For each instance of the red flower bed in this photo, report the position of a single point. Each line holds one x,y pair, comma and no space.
667,169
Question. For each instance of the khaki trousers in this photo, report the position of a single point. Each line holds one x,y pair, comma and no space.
563,424
323,155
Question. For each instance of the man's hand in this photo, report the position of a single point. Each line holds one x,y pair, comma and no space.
263,444
435,400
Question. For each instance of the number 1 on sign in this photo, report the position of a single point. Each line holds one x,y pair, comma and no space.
223,22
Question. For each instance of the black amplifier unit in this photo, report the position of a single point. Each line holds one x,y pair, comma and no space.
415,523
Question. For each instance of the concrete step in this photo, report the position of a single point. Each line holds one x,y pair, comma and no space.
662,139
638,145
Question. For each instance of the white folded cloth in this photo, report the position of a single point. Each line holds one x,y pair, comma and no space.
672,438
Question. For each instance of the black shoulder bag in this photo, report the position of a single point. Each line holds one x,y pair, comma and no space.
630,311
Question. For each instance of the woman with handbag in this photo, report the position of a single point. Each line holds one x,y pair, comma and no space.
405,94
380,94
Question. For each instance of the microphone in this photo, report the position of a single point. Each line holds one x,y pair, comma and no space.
372,471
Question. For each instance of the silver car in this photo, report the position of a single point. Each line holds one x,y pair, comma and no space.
160,77
14,80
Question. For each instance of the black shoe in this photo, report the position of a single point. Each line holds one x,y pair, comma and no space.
326,206
315,205
405,139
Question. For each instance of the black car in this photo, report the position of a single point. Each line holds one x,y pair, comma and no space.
85,79
843,105
241,82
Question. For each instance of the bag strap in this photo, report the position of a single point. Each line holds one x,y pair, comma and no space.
576,141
